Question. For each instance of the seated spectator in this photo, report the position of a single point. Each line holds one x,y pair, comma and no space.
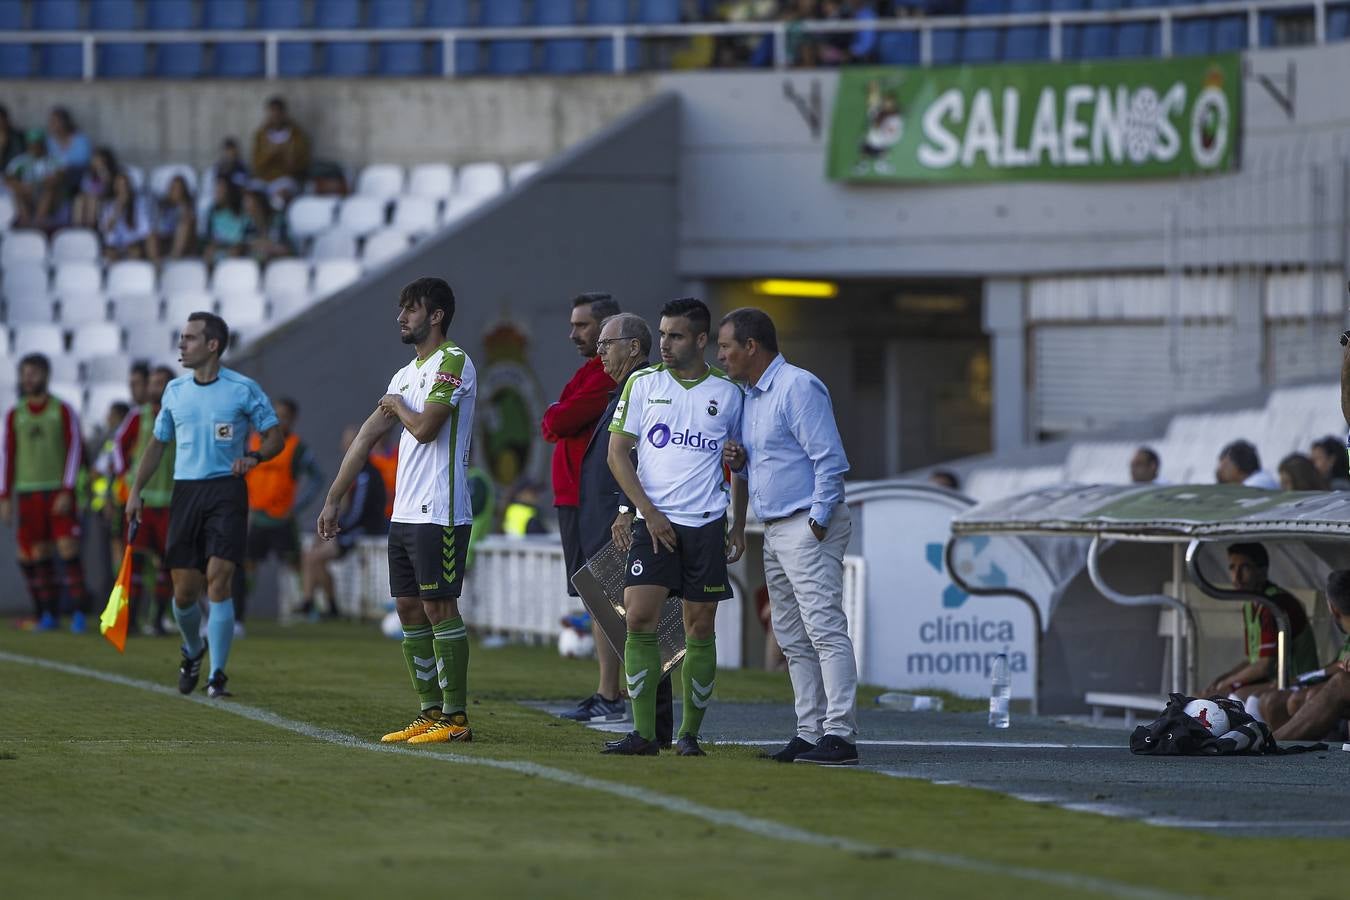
264,229
1276,708
1249,568
225,223
95,189
1329,455
1297,473
833,48
945,478
229,164
69,147
1144,466
12,140
27,176
176,222
521,516
125,223
281,154
863,47
1239,463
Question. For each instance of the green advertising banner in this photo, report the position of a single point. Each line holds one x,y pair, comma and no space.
1046,121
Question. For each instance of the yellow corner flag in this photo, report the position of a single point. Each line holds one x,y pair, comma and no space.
113,623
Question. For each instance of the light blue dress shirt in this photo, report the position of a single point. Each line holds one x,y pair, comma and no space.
795,458
210,422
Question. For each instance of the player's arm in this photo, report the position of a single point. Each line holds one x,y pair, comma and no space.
423,426
371,431
7,471
150,459
740,501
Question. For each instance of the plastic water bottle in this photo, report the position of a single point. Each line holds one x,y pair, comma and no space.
1000,693
909,702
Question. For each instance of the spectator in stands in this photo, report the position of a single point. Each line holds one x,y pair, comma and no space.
176,222
230,164
95,189
1276,708
1297,473
945,478
521,516
1249,569
863,48
225,224
27,176
802,47
12,140
70,148
281,154
125,223
1239,463
264,229
1144,466
1328,454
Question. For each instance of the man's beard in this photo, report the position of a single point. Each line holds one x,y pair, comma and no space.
416,335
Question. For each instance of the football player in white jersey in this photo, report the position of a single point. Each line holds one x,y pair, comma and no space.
433,398
678,415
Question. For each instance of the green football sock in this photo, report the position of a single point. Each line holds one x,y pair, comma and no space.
420,656
452,662
642,665
696,679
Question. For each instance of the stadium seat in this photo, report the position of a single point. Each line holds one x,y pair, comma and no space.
461,205
286,306
383,181
342,58
1192,37
436,180
59,60
359,215
162,176
16,60
6,210
335,243
235,276
74,244
135,310
119,60
25,279
523,171
946,46
39,338
307,215
382,246
1137,39
77,277
106,367
234,59
481,179
23,245
77,308
181,304
25,310
1230,34
898,48
563,56
294,58
1338,23
1070,36
72,392
396,58
1027,42
332,275
94,339
243,309
415,215
982,44
610,12
101,396
453,14
136,175
286,276
176,60
658,12
183,275
507,57
152,339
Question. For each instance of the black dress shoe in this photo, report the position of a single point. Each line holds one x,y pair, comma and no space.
831,751
687,745
632,744
795,748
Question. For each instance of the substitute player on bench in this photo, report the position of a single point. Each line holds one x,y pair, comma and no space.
678,414
433,397
207,414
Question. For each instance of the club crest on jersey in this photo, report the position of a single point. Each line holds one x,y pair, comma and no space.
449,378
712,407
224,431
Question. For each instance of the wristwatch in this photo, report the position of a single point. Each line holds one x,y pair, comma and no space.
625,510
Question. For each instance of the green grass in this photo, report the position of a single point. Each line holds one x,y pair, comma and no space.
106,791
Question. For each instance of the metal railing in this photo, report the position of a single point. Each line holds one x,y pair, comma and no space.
619,35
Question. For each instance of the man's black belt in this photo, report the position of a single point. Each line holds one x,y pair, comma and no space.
795,512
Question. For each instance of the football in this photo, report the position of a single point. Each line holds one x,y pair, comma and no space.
1209,714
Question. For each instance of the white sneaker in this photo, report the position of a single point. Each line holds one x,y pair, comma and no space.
238,629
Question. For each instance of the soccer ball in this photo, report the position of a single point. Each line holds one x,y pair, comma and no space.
391,626
1209,714
575,644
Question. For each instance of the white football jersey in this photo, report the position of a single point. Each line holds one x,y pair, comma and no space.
681,427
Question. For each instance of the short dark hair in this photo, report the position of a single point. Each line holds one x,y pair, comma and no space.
1149,454
945,477
166,371
691,308
432,294
1252,551
1335,448
632,326
748,323
140,367
1338,590
213,329
602,305
276,100
119,407
39,360
289,403
1243,455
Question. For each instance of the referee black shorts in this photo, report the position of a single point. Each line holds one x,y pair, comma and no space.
207,518
427,560
696,570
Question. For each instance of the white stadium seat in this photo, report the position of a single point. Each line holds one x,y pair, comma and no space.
25,280
78,308
286,276
64,368
23,246
34,310
74,244
71,392
359,216
461,205
152,339
382,246
136,175
162,176
332,275
242,310
286,306
434,180
95,339
77,278
383,181
4,351
106,367
178,306
480,179
39,338
131,278
307,216
183,275
102,395
235,276
415,215
334,243
134,310
6,211
521,171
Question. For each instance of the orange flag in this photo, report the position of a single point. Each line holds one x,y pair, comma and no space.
113,622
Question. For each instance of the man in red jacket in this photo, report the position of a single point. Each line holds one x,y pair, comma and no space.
567,425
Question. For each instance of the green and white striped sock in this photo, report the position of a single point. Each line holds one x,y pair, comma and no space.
451,642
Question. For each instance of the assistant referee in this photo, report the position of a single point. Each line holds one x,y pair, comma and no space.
208,415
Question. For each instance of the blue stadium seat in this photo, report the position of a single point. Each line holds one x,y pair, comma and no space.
350,58
1027,42
1070,36
16,60
1230,33
454,14
234,59
293,57
980,45
119,60
1338,23
946,46
898,48
610,12
1191,37
658,12
507,57
563,56
1135,39
1099,40
175,60
59,60
397,58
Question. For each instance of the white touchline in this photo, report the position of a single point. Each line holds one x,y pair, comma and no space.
730,818
992,745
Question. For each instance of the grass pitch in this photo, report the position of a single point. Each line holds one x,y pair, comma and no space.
110,791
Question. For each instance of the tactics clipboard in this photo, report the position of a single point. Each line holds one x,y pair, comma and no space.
600,584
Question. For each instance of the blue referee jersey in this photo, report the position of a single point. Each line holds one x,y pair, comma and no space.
210,422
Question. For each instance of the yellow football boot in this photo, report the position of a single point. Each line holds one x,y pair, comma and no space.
445,730
420,725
